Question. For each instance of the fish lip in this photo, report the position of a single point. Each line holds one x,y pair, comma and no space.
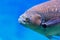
22,20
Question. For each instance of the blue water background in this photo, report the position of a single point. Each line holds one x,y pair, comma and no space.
10,29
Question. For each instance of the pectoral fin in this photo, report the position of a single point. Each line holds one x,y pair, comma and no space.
51,22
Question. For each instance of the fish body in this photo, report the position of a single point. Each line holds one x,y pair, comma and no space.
48,10
45,14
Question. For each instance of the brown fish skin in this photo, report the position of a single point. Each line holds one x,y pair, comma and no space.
50,11
50,8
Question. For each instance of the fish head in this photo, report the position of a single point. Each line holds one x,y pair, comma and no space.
30,17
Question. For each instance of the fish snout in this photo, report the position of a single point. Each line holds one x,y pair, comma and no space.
23,20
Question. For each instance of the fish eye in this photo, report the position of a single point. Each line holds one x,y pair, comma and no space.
27,19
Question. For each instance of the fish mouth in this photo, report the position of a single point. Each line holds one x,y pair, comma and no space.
21,20
24,20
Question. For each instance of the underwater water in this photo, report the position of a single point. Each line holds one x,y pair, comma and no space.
10,29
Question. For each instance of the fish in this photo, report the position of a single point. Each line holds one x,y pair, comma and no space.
43,18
